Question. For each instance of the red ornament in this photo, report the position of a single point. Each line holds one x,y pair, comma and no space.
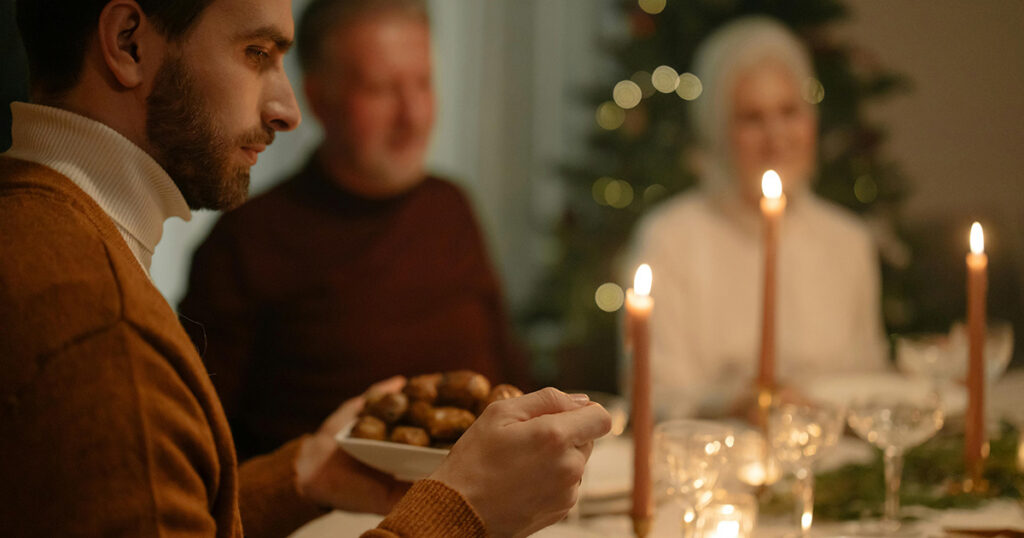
641,24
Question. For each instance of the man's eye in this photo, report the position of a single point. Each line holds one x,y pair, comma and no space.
257,54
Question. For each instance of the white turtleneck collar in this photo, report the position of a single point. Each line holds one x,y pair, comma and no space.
124,180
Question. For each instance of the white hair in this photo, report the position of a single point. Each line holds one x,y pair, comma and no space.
719,62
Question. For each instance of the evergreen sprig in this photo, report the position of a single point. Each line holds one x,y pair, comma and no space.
932,474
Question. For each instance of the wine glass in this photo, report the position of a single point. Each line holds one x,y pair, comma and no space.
750,463
894,421
798,434
692,453
944,357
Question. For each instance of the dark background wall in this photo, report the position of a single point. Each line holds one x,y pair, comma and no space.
13,70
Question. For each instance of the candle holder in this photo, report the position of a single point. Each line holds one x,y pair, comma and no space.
765,402
729,515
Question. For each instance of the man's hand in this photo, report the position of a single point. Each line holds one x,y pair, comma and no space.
521,462
327,476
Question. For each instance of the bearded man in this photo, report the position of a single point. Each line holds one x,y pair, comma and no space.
109,425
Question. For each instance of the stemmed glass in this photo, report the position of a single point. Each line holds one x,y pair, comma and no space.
943,358
750,464
692,452
798,434
894,421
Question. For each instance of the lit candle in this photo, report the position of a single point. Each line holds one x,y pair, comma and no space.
638,307
977,288
729,516
727,529
759,473
773,205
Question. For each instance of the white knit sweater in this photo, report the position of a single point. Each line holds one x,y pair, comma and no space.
125,181
707,258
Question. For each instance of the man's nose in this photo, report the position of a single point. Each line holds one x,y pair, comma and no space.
417,106
280,109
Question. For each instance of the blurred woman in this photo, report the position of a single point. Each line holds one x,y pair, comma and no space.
706,246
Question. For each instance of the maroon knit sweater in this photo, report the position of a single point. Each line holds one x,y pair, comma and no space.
307,294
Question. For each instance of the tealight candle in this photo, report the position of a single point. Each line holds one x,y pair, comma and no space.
728,516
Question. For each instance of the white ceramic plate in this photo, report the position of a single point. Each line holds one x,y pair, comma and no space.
404,462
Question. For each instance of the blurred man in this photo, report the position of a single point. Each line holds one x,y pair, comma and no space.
359,267
109,425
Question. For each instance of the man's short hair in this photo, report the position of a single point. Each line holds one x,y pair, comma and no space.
321,17
56,33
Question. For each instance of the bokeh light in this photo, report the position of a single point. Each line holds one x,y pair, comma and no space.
610,116
643,79
627,94
654,193
813,92
865,189
690,86
652,6
618,194
597,191
665,79
609,297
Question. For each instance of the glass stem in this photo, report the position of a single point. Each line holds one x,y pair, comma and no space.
893,477
805,506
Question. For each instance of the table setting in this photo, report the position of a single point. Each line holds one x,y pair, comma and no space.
933,447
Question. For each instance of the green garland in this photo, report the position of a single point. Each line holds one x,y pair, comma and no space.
931,473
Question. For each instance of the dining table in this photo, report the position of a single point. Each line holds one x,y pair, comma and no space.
603,510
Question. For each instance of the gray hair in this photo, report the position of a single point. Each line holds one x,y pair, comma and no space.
719,62
321,17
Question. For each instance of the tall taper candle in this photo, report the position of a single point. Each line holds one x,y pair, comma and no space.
977,288
773,204
639,305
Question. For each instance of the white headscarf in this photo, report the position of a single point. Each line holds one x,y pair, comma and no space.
719,62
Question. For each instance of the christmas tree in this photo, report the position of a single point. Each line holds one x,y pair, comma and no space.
639,157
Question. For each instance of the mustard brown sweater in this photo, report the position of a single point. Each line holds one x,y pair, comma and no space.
109,425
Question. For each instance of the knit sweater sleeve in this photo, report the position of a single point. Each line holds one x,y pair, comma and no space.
430,509
268,498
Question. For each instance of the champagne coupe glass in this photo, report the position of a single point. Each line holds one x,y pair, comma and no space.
692,454
750,462
998,349
894,421
798,434
943,358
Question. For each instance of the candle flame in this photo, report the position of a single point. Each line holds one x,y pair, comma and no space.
727,529
805,520
771,185
977,239
642,280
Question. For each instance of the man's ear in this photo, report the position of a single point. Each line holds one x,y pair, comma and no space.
120,29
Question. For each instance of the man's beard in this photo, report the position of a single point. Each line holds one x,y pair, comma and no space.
189,145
